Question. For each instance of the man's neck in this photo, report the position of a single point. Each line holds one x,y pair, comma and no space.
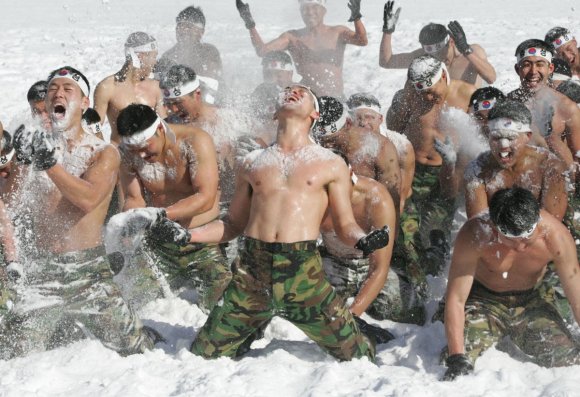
134,75
74,134
293,133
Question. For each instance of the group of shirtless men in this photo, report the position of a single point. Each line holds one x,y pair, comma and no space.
332,206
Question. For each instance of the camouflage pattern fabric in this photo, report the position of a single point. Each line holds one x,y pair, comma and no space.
286,280
66,298
398,300
551,290
531,322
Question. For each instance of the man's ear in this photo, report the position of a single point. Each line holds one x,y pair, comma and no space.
551,68
85,103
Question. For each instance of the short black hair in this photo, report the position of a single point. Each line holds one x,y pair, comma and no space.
562,67
73,71
571,89
37,91
486,93
176,75
137,39
191,14
6,142
432,33
511,109
524,45
362,98
555,33
514,210
135,118
331,110
91,116
277,56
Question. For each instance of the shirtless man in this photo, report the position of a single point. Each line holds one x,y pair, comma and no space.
560,74
318,49
498,262
277,68
416,111
131,84
282,195
384,292
175,167
190,51
566,47
467,62
36,99
554,117
367,113
69,292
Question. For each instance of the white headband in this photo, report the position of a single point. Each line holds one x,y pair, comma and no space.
181,90
562,40
504,123
318,2
334,127
67,74
484,104
374,108
422,85
141,137
560,77
535,52
433,48
6,158
524,234
198,25
279,65
148,47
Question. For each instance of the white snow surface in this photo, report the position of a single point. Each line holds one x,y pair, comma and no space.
39,36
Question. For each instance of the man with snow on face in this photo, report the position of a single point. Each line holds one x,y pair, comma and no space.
131,84
416,112
282,195
175,168
566,47
495,278
67,291
467,62
317,49
381,291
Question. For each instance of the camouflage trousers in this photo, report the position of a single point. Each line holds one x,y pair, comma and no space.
425,226
160,269
286,280
66,298
531,322
399,300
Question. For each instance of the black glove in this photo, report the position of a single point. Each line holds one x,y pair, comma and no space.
167,231
354,6
138,219
389,19
373,241
457,364
23,144
14,271
459,37
244,10
44,151
380,335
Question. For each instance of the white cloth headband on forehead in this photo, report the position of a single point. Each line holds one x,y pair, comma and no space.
181,90
504,123
484,104
336,126
433,48
374,108
148,47
67,74
562,40
422,85
141,137
279,65
535,52
524,234
5,159
319,2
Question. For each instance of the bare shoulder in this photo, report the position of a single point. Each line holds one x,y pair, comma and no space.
107,153
107,85
478,50
567,106
192,135
476,232
376,194
464,89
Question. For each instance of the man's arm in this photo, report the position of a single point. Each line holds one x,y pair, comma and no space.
358,37
388,60
7,236
279,44
101,98
461,275
554,198
572,117
382,212
475,194
478,58
399,113
89,191
131,186
204,176
389,171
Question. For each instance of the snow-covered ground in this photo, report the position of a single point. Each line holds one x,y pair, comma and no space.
38,36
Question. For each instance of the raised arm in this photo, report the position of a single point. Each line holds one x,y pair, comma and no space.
387,59
359,36
279,44
474,53
101,98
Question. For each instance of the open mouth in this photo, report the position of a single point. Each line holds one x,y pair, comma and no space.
506,157
59,112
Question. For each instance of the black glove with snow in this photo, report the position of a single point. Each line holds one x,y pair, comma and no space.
459,37
244,10
373,241
354,6
44,151
457,364
166,231
389,19
22,143
380,335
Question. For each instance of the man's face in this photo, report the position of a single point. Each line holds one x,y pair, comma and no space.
312,14
40,113
297,100
507,147
436,93
569,53
282,78
148,60
369,119
187,32
480,117
446,52
534,72
151,149
65,103
185,107
518,243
